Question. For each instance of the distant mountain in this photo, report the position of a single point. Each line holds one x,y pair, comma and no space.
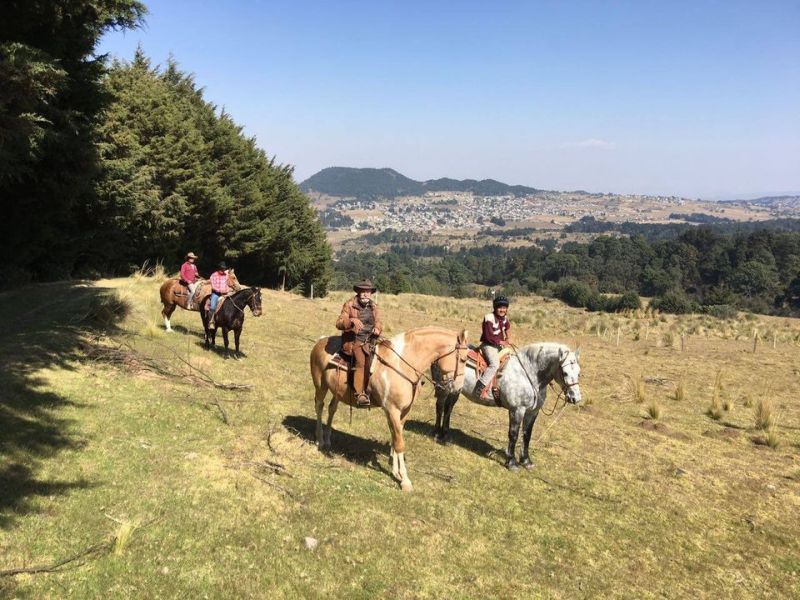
372,184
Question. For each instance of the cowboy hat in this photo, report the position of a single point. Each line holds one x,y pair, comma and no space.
191,255
364,285
222,266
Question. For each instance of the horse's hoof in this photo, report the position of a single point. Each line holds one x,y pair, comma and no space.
406,486
527,465
512,466
440,439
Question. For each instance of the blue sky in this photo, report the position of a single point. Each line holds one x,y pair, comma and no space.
700,99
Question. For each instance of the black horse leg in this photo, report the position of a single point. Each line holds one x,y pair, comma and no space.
441,398
225,337
448,411
444,408
527,431
514,422
236,333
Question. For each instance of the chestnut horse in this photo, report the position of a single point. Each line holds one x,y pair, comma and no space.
398,367
174,294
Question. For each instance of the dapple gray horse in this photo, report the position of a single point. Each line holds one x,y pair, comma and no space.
523,391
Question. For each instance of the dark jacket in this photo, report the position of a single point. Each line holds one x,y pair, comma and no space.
350,311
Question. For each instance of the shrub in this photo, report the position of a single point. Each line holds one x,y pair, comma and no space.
629,301
574,293
673,301
721,311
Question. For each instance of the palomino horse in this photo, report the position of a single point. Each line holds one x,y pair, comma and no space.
230,317
174,294
523,391
398,367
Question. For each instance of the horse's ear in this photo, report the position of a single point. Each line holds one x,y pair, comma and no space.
462,338
578,352
562,354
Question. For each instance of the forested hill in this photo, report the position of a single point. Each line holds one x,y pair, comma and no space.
373,184
104,167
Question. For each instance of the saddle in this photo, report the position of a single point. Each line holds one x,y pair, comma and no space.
207,305
476,360
342,361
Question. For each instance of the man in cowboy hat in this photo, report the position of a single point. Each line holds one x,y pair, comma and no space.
360,320
219,287
189,275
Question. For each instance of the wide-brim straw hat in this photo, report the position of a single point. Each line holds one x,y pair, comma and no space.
364,285
191,255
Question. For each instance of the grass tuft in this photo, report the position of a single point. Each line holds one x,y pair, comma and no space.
763,415
714,409
772,439
654,411
123,536
637,389
680,390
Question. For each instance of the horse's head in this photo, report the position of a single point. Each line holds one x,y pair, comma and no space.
233,281
568,374
255,302
452,365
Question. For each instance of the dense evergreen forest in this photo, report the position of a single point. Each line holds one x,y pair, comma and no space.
698,269
106,166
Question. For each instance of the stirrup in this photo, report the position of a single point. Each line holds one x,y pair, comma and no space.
362,400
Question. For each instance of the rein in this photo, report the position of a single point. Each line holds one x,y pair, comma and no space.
233,299
420,374
561,393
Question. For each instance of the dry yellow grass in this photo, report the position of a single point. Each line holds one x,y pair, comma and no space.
606,503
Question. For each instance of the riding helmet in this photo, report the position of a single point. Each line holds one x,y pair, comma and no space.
500,301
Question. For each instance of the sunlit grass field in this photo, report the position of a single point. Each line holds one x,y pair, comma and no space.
679,477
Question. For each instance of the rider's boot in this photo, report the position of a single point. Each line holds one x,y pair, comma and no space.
481,391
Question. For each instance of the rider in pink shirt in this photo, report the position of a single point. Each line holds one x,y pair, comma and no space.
190,275
219,287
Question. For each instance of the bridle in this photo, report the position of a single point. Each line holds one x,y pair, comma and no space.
249,302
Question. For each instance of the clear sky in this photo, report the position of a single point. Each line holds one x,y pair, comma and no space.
695,98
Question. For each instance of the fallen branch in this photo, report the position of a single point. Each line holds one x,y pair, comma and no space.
280,488
94,549
56,566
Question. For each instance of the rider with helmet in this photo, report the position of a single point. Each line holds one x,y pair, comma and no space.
494,337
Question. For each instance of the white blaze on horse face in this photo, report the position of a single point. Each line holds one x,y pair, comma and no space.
571,371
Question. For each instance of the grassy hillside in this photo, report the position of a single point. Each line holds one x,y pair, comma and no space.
661,485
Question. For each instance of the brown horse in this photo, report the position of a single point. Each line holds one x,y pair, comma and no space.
398,367
174,294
